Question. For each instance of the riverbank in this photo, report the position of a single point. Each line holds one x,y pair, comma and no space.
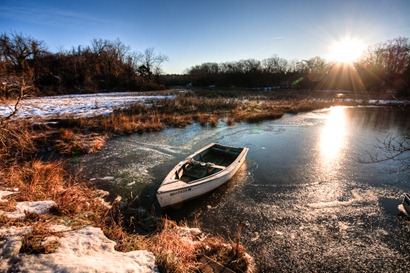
47,213
32,172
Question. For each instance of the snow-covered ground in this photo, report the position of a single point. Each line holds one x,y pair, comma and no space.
38,207
389,102
83,250
86,250
75,106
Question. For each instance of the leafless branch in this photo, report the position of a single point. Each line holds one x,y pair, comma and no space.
391,148
16,87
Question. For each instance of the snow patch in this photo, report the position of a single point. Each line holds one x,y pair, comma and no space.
39,207
107,178
10,243
76,106
389,102
85,250
4,194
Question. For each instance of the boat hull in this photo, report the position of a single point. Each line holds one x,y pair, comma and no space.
188,191
406,204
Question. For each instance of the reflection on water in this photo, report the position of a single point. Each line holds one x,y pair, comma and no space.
305,202
329,161
333,134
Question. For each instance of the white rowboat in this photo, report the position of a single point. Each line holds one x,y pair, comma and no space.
406,204
200,173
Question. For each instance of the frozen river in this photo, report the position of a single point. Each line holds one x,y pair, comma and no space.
304,201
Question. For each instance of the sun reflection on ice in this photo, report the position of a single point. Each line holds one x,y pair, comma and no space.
328,171
333,135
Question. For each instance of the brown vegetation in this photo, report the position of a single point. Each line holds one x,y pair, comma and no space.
178,248
88,134
16,141
40,239
257,111
70,142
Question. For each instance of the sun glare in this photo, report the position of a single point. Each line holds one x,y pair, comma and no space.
332,138
346,50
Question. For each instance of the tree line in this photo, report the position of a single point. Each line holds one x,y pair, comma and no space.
384,67
105,65
102,66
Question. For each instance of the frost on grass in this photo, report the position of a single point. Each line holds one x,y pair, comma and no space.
83,250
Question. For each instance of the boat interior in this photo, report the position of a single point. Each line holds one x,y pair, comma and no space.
208,162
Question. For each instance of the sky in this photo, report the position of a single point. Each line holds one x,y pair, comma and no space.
192,32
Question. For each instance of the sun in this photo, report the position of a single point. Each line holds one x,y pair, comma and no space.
346,50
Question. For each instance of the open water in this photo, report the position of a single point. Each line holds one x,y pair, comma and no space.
303,200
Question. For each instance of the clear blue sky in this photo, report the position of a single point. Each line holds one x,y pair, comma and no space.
192,32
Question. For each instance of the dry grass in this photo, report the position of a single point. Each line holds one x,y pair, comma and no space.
257,111
35,180
128,124
82,203
205,119
40,239
70,142
119,123
179,112
177,120
179,250
174,252
176,248
4,221
8,205
16,141
227,254
298,106
191,104
213,120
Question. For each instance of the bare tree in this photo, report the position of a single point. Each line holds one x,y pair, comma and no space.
18,56
317,65
154,61
111,54
18,49
275,64
149,63
386,64
252,66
